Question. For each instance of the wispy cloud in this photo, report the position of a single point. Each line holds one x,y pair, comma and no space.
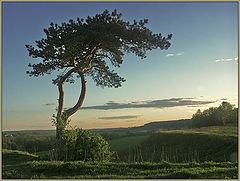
50,104
120,117
171,54
179,54
226,60
164,103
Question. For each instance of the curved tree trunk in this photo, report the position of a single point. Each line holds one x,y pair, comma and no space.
62,116
72,110
59,122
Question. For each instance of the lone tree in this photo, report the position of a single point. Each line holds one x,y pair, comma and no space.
83,47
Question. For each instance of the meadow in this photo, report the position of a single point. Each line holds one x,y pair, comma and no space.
216,143
208,152
31,167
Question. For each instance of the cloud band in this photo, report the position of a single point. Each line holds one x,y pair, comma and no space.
164,103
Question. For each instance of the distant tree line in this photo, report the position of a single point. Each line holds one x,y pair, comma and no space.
28,143
224,114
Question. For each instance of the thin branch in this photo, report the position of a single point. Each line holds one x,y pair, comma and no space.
90,62
64,70
62,66
103,55
89,66
74,63
92,51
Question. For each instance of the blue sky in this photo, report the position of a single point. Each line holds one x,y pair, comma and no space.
201,64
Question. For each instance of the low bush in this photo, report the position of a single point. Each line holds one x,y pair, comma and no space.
84,145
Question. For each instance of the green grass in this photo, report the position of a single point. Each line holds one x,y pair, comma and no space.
14,156
26,169
126,143
217,144
13,160
226,131
205,151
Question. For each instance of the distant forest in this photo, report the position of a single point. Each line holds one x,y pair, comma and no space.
224,114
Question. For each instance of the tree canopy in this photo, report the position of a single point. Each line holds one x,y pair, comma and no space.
224,114
88,44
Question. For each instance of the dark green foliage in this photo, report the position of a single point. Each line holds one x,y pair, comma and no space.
214,116
86,146
97,170
28,142
92,42
126,142
15,156
185,146
164,125
110,136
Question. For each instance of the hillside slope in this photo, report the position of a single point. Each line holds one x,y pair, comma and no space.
218,143
150,127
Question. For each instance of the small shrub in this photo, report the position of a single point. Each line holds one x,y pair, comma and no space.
85,146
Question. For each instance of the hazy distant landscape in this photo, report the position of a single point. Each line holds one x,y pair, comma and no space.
171,149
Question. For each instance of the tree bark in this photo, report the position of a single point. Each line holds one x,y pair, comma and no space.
61,92
62,116
74,109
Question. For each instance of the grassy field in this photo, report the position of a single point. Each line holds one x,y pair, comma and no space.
126,143
217,144
203,153
226,131
26,166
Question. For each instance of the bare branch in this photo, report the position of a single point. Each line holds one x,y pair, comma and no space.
74,63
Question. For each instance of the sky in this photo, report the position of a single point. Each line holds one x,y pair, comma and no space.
198,71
